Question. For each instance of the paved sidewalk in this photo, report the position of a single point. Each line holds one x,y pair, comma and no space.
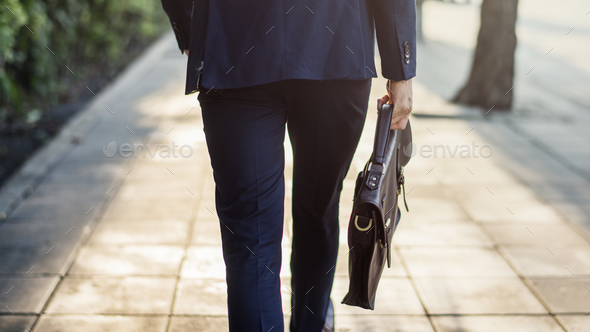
133,244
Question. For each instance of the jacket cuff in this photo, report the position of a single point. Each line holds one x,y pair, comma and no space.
179,12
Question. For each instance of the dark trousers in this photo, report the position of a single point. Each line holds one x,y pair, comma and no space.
245,131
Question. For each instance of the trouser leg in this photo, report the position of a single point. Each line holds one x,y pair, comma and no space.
325,121
245,131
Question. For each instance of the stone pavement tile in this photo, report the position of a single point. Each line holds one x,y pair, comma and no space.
39,234
426,191
379,323
455,262
160,208
16,323
578,323
533,234
204,262
416,175
25,295
505,213
206,233
128,260
433,210
395,296
564,295
396,269
457,295
201,297
440,234
46,259
47,201
543,323
496,193
538,261
198,323
166,231
145,191
100,323
87,174
127,295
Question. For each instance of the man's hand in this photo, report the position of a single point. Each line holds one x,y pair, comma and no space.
186,52
399,93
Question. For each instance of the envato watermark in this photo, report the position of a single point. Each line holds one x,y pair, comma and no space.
127,150
441,151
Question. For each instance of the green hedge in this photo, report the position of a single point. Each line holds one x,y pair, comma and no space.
38,39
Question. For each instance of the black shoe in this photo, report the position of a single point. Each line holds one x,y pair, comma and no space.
329,323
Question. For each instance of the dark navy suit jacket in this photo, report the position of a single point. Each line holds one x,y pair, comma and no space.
237,44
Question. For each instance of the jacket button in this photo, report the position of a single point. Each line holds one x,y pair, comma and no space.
406,44
407,60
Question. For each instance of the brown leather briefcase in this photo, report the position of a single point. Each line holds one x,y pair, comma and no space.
375,214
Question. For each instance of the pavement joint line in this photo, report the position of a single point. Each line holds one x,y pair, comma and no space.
90,209
9,290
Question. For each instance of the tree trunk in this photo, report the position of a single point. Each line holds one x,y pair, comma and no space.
492,72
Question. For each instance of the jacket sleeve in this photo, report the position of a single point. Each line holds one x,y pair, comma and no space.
395,25
179,12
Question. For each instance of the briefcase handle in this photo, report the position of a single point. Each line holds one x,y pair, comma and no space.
382,133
